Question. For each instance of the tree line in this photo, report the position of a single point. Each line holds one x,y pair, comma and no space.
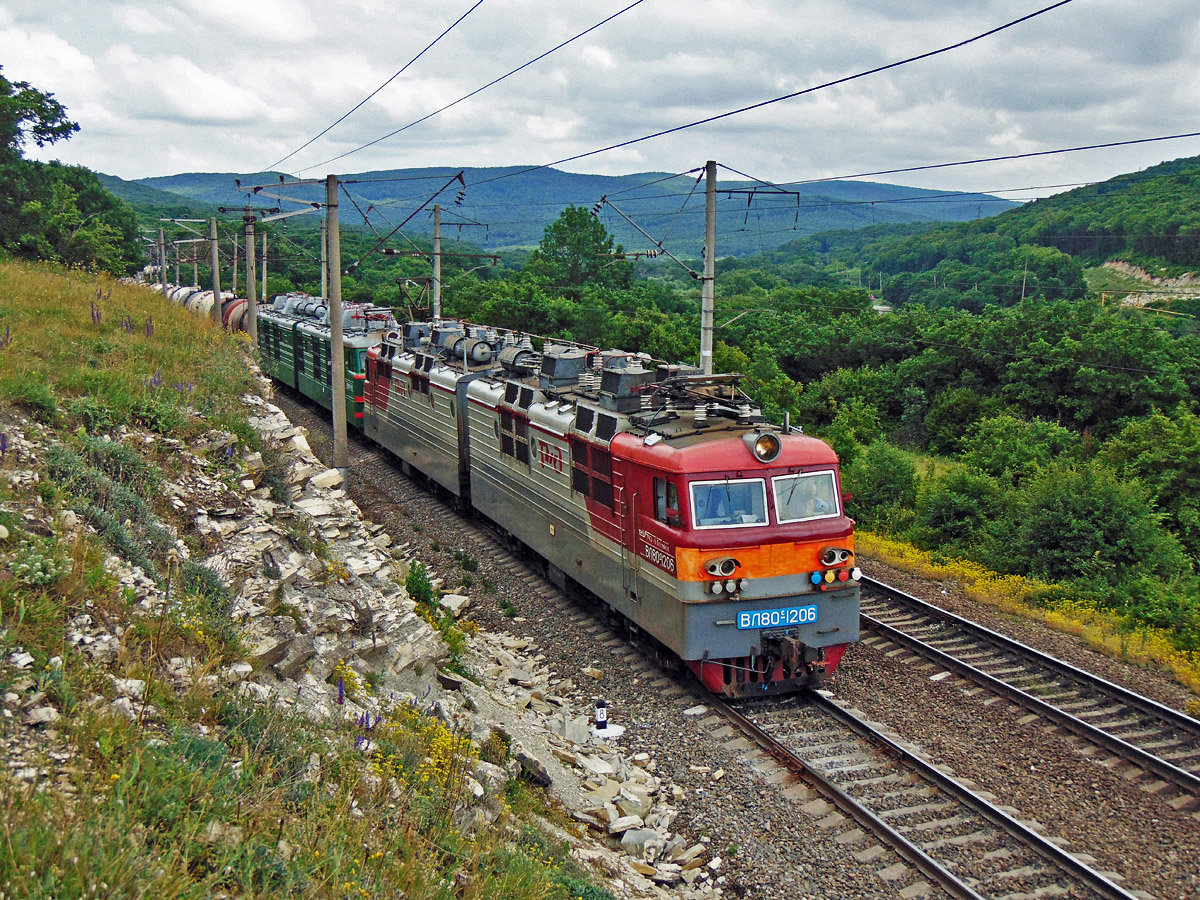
51,211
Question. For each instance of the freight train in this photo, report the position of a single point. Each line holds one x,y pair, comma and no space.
659,490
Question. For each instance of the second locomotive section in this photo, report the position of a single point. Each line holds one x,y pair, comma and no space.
659,490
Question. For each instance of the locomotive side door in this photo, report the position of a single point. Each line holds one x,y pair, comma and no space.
627,499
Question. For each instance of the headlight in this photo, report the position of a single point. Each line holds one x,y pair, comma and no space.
766,447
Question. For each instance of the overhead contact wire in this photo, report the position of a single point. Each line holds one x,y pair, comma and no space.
473,93
792,95
376,91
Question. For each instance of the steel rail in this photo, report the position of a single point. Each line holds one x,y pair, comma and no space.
1044,847
1173,718
900,845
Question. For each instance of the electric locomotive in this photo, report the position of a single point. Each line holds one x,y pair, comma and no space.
294,335
661,491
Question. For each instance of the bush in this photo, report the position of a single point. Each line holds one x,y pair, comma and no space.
882,485
955,511
1083,522
418,585
1013,449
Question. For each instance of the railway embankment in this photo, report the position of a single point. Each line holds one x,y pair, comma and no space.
299,673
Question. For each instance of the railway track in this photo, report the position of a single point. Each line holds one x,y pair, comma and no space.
1154,737
978,851
958,839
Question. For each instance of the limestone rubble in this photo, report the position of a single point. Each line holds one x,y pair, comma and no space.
315,586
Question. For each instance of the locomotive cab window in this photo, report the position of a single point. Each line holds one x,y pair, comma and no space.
666,502
799,498
729,503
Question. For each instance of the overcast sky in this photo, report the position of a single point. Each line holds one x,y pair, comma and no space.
234,85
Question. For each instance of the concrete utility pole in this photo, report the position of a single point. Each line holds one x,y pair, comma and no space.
264,275
341,454
233,283
709,282
162,259
325,258
216,270
437,261
251,284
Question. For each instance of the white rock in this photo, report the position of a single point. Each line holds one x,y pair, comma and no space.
696,711
239,671
330,478
43,715
596,765
624,824
130,687
454,603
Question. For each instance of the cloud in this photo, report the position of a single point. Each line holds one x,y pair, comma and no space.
228,84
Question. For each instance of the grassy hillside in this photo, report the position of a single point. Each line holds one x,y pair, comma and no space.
142,770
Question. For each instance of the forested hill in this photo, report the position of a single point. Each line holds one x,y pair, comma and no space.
152,203
514,206
1150,218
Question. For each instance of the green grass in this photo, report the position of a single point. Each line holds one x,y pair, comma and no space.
207,795
1100,279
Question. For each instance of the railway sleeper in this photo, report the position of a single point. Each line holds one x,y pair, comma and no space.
1104,712
936,806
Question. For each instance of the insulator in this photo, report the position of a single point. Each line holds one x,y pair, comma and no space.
744,412
701,413
670,407
645,402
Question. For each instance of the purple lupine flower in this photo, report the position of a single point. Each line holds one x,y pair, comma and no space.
341,691
150,326
3,445
360,742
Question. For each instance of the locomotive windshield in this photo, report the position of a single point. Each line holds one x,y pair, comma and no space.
799,498
729,503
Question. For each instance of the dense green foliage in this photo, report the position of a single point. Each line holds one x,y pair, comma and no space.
50,211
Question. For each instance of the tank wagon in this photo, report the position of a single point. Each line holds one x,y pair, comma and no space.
661,491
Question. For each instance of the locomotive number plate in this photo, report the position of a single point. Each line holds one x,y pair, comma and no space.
777,618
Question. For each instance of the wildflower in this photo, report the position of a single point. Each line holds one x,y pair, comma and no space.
341,691
3,445
150,326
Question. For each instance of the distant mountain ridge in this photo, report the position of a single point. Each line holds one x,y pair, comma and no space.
508,207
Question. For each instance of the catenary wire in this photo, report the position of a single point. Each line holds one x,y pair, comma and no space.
478,90
362,102
809,90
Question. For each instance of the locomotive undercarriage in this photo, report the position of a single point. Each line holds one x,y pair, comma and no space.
783,664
